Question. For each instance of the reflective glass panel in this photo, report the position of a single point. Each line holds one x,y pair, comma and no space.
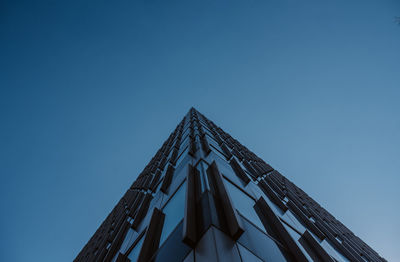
332,251
217,151
226,170
129,238
260,244
247,255
244,204
134,255
212,142
173,249
184,144
173,211
182,156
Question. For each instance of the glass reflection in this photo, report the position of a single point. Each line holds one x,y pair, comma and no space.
174,211
260,244
134,254
243,203
226,170
129,238
182,156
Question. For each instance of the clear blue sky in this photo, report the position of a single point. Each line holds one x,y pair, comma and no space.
91,89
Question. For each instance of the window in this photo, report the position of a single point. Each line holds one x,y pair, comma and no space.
260,243
170,153
226,170
332,251
247,255
217,151
244,204
212,141
134,254
174,211
183,145
129,238
186,131
173,248
182,156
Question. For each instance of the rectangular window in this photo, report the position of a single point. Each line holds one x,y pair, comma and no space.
227,171
129,238
182,156
244,204
174,211
170,153
184,144
260,243
218,152
134,254
212,141
185,137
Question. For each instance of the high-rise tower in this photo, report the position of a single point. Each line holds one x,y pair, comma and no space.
206,197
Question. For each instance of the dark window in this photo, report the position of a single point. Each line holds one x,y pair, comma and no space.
173,210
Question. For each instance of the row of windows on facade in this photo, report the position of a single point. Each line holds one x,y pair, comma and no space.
184,131
244,203
173,210
357,246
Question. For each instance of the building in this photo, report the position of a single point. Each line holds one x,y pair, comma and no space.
206,197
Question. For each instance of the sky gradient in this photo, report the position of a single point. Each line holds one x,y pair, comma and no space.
89,90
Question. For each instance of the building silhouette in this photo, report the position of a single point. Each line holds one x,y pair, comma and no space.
206,197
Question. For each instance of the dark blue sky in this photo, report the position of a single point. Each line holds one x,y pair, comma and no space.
90,91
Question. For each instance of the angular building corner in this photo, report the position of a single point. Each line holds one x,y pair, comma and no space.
206,197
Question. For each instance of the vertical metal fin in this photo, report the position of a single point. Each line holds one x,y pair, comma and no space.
239,171
271,221
314,248
153,234
189,223
142,211
233,221
167,179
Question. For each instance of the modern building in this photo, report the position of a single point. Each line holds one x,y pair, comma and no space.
206,197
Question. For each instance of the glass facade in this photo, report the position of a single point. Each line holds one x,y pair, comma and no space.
173,211
206,197
244,204
134,254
